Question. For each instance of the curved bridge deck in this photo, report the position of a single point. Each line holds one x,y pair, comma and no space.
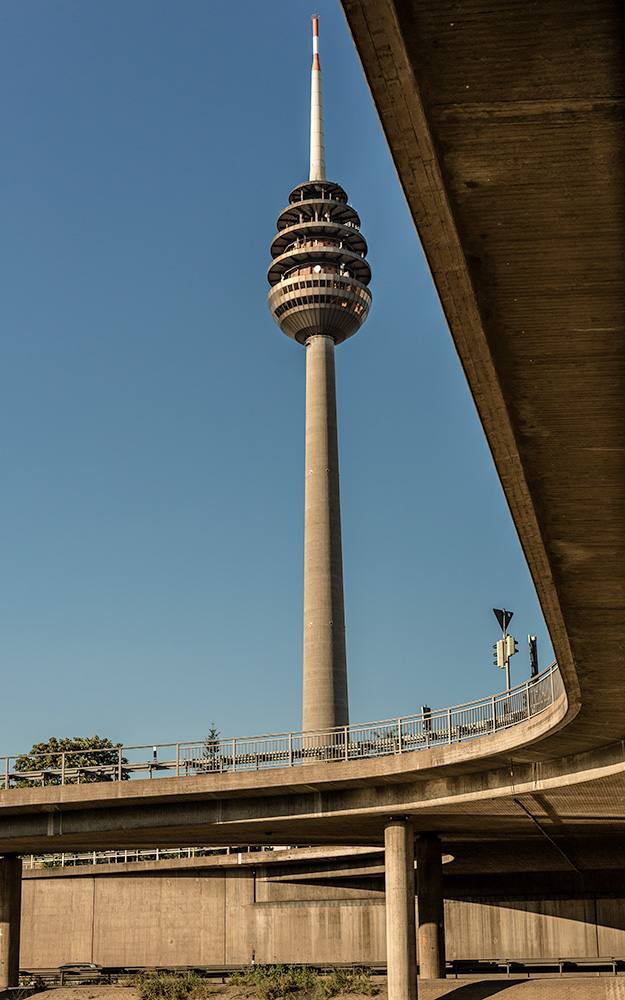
408,734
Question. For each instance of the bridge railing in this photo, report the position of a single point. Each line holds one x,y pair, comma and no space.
407,734
135,854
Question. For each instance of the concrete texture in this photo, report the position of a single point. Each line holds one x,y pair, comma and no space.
505,122
401,948
535,989
536,928
208,917
218,910
525,989
10,911
431,915
58,923
325,667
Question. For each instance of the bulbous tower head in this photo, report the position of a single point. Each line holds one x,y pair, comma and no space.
319,275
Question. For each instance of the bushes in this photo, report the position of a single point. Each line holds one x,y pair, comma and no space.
172,987
346,981
265,982
269,982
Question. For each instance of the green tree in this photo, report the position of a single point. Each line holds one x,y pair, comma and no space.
211,749
81,752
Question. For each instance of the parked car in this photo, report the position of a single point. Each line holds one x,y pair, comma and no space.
80,967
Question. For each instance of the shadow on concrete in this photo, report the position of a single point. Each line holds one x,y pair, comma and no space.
480,990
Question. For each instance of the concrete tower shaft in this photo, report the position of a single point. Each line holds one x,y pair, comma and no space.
325,703
319,297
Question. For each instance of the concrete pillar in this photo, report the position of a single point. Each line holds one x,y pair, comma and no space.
401,948
10,903
431,934
325,663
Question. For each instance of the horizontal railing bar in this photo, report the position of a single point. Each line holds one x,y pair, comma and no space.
131,854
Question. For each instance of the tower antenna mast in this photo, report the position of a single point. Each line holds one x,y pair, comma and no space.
317,145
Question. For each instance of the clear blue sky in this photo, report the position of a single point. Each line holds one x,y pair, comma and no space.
153,413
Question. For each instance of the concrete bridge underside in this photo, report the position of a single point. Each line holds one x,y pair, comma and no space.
505,122
506,126
569,809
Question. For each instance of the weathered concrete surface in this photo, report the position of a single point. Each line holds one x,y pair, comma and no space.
401,945
217,910
10,910
525,989
325,665
431,919
211,916
57,922
505,122
462,989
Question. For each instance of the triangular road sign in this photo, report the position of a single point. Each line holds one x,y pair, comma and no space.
503,617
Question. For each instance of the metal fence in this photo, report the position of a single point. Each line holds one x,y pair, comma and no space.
71,860
444,727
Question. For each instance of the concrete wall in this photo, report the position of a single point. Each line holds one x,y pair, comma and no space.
221,916
136,920
508,928
316,923
57,922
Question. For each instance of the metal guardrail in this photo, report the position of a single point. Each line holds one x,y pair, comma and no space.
71,860
375,739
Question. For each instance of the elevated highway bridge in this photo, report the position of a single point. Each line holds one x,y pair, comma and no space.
506,125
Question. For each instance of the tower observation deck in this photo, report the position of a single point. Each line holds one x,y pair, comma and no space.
319,297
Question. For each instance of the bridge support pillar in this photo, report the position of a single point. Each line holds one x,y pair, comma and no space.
430,907
401,945
10,904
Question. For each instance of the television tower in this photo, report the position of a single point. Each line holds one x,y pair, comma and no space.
319,297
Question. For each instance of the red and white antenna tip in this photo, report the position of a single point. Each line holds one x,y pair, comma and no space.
315,21
317,149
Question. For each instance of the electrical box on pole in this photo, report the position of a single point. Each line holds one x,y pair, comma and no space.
511,645
506,647
533,655
499,656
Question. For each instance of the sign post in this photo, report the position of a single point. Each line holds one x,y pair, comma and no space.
506,647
